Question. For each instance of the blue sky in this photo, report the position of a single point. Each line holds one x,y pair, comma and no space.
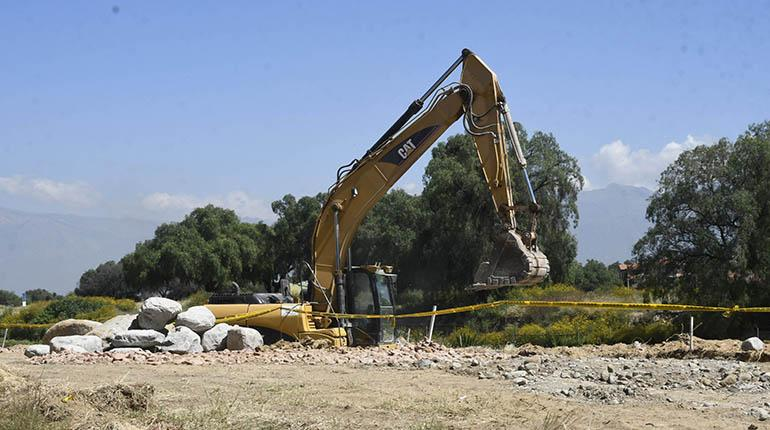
146,109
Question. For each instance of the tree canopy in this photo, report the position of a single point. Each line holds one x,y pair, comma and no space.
710,235
210,248
39,295
9,298
106,280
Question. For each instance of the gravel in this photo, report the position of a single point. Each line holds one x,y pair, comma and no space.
592,374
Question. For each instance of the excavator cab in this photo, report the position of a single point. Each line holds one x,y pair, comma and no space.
371,290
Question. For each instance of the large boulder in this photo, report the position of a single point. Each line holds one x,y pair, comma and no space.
109,328
37,350
215,339
70,327
181,340
197,318
752,344
156,312
137,339
76,343
239,338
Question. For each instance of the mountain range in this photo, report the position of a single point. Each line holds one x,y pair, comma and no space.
611,221
51,251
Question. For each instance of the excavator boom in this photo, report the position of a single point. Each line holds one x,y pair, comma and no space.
479,102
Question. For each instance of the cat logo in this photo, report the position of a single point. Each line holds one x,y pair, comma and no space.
403,150
406,149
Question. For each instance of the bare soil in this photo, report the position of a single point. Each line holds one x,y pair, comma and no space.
299,388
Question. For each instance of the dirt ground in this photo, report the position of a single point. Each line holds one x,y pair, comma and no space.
307,395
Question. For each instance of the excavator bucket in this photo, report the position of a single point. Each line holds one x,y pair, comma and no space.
513,264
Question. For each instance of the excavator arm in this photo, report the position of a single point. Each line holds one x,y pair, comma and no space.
479,102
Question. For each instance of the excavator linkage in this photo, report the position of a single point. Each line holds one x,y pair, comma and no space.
513,264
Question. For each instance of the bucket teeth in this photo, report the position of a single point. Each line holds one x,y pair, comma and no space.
512,264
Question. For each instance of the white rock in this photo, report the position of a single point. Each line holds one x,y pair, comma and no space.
114,325
156,312
137,339
37,350
181,340
752,344
197,318
76,343
69,327
239,338
215,339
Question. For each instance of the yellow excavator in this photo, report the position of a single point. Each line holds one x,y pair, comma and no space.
339,287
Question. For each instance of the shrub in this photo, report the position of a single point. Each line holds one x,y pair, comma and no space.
467,336
531,333
463,336
48,312
198,298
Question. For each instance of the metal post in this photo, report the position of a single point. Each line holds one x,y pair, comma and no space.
5,335
432,322
692,323
408,334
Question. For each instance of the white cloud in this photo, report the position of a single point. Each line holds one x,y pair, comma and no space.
617,162
412,188
242,203
77,194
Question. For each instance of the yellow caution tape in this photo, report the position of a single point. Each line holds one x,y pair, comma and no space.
24,325
241,317
471,308
554,304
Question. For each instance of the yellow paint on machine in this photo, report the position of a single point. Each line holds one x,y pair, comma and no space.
289,319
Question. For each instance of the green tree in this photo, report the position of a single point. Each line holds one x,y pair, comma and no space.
107,279
293,231
389,231
592,275
211,248
710,237
9,298
462,222
39,295
556,180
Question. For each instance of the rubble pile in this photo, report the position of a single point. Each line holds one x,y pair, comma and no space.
159,327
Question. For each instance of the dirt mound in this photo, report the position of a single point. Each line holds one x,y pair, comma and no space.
119,397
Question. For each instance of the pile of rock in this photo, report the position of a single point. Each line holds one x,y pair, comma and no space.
160,326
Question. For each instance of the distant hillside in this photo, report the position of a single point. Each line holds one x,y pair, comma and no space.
611,221
51,251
